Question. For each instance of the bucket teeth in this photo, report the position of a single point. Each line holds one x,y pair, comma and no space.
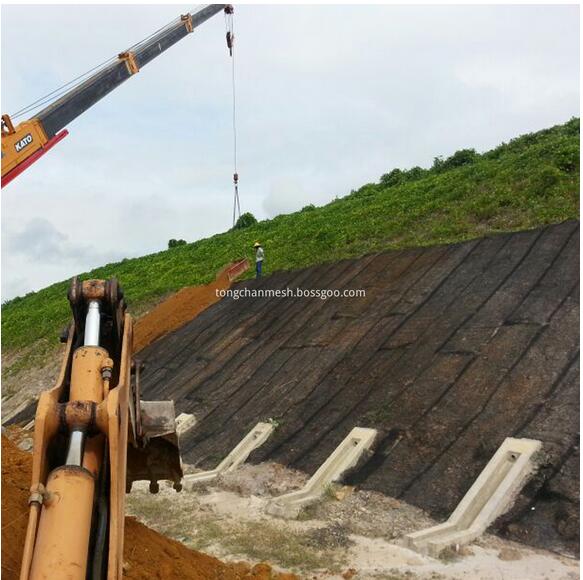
156,455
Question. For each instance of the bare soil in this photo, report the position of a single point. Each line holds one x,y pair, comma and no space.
176,310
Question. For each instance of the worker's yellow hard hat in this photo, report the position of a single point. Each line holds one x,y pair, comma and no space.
256,244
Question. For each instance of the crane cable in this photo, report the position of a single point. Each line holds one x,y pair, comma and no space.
230,34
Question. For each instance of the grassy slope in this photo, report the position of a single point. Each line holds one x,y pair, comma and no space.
532,180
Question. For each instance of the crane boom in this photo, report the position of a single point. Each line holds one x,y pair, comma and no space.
24,144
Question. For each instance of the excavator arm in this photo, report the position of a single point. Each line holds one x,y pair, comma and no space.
93,436
26,142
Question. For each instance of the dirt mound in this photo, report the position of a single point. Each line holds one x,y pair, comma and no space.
179,308
152,556
452,349
16,467
148,555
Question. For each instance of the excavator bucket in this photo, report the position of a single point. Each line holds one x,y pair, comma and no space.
153,451
157,454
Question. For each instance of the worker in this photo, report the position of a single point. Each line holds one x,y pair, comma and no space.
259,255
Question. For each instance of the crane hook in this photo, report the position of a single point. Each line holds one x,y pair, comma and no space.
230,40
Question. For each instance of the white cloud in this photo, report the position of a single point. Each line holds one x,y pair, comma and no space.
287,194
47,253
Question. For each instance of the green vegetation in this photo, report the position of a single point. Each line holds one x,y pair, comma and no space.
245,220
269,542
174,243
530,181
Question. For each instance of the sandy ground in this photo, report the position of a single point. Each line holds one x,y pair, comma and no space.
20,387
177,309
349,534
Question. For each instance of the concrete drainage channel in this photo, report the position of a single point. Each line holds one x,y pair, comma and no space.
256,437
289,505
345,456
491,495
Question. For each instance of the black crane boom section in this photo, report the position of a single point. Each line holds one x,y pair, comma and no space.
60,113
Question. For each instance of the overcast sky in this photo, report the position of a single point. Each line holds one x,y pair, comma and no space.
329,98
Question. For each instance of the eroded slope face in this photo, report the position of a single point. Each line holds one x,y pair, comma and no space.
452,350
